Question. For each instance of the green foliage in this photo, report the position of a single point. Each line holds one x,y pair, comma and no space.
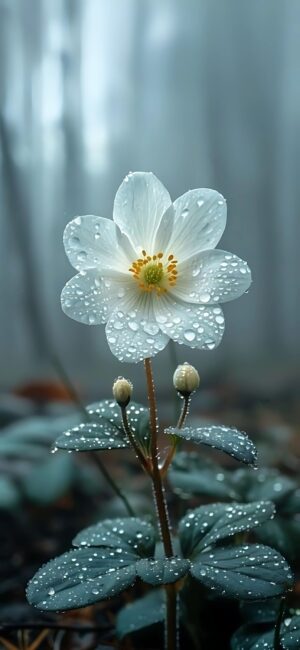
104,430
142,613
261,637
208,525
226,439
162,571
129,533
28,468
191,475
110,558
81,577
246,572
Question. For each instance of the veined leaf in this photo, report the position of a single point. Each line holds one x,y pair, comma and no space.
163,571
208,524
131,534
81,577
247,572
231,441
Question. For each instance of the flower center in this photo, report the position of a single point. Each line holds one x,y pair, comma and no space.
155,273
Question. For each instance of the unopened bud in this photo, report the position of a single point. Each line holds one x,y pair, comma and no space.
122,390
186,379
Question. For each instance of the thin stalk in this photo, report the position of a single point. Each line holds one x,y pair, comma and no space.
277,644
158,489
156,477
95,458
180,424
184,411
116,489
132,441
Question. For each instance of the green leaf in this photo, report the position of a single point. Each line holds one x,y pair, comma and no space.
104,429
128,533
142,613
290,633
231,441
267,484
32,438
252,637
81,577
9,494
264,611
190,474
284,533
247,572
92,436
50,480
260,637
209,524
163,571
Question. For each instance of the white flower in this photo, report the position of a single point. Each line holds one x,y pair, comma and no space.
153,274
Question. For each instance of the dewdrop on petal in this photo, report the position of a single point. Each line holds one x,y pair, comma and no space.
186,379
122,391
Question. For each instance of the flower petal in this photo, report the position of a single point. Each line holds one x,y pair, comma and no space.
132,331
200,219
90,299
211,277
140,203
94,242
197,326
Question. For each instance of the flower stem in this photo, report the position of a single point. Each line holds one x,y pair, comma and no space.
277,644
176,441
132,441
158,489
184,411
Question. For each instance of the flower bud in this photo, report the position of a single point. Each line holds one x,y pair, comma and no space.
186,379
122,390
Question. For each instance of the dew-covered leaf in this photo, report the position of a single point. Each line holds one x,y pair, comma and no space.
207,525
137,414
131,534
162,571
104,430
252,637
290,633
92,436
81,577
247,572
190,474
261,637
141,613
226,439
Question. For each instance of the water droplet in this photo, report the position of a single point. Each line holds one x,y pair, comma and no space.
189,335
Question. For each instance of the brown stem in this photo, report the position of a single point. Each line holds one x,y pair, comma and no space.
171,627
184,411
180,424
132,441
156,477
158,489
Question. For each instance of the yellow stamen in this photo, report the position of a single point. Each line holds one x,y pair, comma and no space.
155,273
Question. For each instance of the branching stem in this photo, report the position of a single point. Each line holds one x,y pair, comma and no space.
180,424
158,489
132,441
